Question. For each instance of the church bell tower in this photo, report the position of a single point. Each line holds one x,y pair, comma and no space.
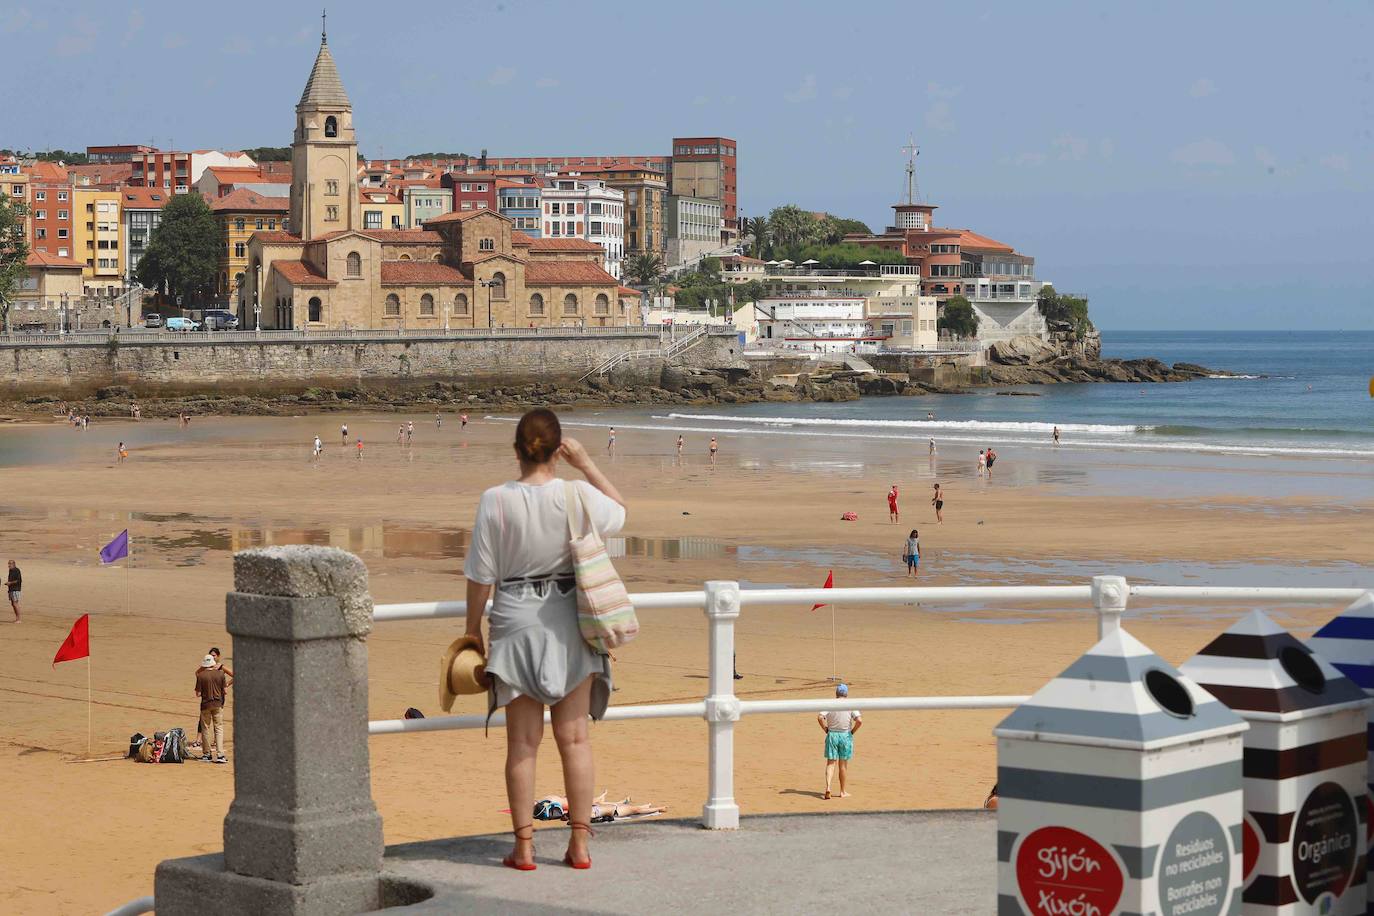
324,154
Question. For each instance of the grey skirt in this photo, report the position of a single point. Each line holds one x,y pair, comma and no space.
537,649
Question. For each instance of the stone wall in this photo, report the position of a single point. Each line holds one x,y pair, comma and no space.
204,364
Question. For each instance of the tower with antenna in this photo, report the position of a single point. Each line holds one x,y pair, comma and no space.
911,213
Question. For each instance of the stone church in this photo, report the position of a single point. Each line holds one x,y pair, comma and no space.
467,269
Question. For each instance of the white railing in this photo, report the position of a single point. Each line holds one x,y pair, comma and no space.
723,601
133,336
678,346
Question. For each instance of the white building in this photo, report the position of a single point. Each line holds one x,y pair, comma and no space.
823,322
584,208
1006,307
693,227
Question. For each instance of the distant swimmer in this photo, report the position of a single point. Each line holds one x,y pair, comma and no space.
410,431
938,501
714,449
343,432
930,415
892,512
1056,435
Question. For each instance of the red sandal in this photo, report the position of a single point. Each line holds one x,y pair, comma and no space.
567,857
510,862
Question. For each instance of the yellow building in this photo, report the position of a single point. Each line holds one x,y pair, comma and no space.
98,240
239,214
382,209
646,202
14,184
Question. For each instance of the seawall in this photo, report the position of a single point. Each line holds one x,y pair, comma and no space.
168,364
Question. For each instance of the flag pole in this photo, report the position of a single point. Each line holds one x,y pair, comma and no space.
127,561
88,701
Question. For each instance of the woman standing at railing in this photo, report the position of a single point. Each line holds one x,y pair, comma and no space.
538,657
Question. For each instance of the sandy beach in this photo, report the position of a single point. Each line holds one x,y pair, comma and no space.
83,836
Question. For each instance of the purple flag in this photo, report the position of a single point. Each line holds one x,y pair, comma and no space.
116,549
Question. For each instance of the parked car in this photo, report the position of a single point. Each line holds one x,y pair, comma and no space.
221,320
182,324
152,320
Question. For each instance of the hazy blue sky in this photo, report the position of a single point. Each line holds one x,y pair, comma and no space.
1199,163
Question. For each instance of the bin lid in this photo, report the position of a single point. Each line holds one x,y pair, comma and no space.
1264,672
1121,695
1348,642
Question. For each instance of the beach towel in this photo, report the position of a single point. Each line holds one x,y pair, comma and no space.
850,517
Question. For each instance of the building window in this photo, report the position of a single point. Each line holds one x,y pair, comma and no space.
426,304
486,245
63,214
62,233
460,304
239,250
316,309
331,214
569,304
466,205
331,187
603,305
372,219
355,264
481,205
498,285
536,304
596,228
257,224
553,208
40,214
393,304
40,195
331,126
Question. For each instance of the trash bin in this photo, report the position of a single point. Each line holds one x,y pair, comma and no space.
1305,764
1348,643
1120,792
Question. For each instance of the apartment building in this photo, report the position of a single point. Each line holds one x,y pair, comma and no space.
523,203
178,172
705,167
142,211
103,155
646,205
14,184
381,209
271,179
694,229
470,191
98,239
585,208
50,208
241,214
423,200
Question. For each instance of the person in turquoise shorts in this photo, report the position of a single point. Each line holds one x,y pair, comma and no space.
839,727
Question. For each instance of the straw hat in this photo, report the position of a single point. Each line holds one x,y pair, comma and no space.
462,670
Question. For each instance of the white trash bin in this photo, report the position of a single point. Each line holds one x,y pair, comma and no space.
1305,768
1119,788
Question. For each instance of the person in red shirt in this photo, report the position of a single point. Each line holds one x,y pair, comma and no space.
892,512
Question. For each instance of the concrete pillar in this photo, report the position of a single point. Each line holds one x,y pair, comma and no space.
1110,595
721,812
302,835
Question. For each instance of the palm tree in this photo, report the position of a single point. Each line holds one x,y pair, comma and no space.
758,229
645,268
791,227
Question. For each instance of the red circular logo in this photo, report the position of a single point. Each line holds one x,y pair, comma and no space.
1061,871
1249,849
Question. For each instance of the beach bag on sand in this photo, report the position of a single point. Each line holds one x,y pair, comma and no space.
135,742
174,746
604,613
145,751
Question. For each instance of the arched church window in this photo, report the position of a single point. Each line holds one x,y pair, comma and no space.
316,309
393,304
355,264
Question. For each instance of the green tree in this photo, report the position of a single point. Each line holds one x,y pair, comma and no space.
848,256
959,317
183,251
751,291
791,228
709,268
1064,308
270,153
757,231
645,268
14,252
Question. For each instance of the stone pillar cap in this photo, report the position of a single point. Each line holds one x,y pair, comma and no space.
308,572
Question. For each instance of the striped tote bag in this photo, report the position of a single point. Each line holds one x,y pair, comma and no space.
604,613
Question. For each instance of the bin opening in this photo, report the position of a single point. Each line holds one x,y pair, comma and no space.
1301,667
1169,693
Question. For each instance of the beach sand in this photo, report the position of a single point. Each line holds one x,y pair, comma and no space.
84,836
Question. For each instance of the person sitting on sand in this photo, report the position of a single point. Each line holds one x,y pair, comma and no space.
555,808
839,726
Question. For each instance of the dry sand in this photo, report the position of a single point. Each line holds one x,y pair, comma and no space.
83,836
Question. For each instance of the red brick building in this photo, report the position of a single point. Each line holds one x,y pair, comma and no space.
706,167
50,208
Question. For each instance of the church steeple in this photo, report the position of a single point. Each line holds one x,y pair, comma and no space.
324,154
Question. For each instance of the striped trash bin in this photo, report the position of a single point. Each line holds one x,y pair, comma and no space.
1305,767
1120,792
1348,643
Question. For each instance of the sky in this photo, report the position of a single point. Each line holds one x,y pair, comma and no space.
1200,165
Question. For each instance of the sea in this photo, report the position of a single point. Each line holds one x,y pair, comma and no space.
1292,393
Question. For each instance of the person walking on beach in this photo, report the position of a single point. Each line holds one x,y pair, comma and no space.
14,583
1056,435
360,448
537,656
438,422
938,501
911,553
892,512
840,726
400,434
714,449
123,454
463,420
319,449
982,462
932,448
211,684
679,447
343,432
992,456
610,445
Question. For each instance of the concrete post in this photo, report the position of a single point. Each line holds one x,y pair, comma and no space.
722,707
302,835
1110,594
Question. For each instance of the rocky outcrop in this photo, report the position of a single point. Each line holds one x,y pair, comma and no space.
1067,357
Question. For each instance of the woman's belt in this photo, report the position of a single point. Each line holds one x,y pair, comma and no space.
559,578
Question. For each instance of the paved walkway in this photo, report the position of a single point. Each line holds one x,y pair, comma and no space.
913,862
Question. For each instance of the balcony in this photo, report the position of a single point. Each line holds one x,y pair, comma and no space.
876,272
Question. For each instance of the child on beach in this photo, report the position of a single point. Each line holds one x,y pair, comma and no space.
438,422
938,501
911,553
839,726
319,448
892,512
982,462
343,432
932,447
360,448
123,453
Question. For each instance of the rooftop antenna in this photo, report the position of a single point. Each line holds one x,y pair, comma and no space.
913,193
324,30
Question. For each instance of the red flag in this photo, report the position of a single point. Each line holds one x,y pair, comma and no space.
829,583
78,642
